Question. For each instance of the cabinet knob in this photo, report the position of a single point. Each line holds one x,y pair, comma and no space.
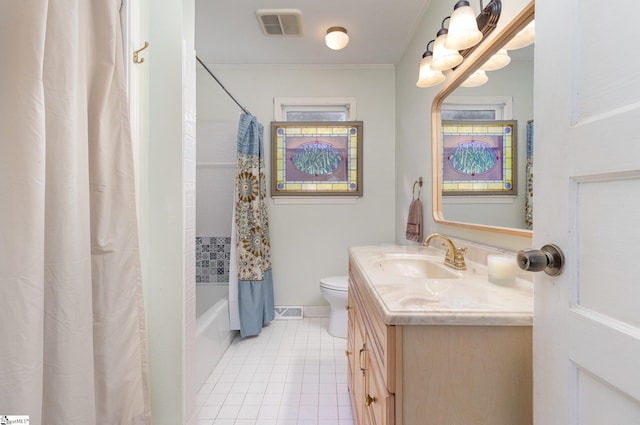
347,307
369,400
347,352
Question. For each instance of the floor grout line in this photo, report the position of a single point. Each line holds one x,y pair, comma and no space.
294,373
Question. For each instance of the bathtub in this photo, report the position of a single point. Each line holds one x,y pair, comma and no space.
213,336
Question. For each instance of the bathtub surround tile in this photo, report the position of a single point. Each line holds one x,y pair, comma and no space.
293,373
212,259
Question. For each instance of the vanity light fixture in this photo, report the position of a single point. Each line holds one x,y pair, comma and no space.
464,34
443,57
336,38
428,77
525,37
497,61
463,27
478,78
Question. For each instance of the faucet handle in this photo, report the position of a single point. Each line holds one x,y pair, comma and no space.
458,259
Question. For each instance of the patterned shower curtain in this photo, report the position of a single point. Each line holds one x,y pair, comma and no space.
253,249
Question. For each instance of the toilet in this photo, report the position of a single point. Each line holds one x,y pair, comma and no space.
334,289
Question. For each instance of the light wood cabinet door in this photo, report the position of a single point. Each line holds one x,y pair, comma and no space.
378,401
356,360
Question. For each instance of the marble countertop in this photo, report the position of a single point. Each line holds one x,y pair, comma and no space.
468,299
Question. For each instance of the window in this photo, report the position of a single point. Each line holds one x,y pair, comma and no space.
314,109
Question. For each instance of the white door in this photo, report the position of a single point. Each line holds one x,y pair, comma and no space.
587,201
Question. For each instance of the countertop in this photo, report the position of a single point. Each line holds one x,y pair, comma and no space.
469,300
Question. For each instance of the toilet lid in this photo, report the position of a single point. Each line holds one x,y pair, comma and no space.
337,283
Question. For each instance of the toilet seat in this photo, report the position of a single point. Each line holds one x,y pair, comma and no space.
335,283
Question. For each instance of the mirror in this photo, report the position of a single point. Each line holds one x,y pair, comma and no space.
507,96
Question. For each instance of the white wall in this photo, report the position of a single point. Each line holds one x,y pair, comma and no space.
167,207
216,168
413,130
310,241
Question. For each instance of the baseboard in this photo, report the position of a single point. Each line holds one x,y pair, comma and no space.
316,311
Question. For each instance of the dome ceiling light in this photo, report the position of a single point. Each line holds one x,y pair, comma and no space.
336,38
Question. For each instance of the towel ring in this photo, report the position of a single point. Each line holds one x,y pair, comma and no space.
419,183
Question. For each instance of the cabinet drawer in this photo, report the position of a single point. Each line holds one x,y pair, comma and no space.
382,337
379,403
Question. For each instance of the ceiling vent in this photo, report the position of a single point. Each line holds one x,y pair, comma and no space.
280,21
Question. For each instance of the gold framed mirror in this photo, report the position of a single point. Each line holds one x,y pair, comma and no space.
474,62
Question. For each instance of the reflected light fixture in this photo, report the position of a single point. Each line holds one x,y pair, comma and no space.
476,79
525,37
463,27
497,61
336,38
443,57
428,77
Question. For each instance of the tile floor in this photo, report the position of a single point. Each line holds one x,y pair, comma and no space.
294,373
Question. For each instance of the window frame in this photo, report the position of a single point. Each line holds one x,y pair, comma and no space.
282,105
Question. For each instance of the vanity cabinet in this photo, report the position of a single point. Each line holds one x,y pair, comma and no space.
434,374
370,348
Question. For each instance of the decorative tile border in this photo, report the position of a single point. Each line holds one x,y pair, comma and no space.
212,259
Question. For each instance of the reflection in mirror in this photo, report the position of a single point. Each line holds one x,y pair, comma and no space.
500,94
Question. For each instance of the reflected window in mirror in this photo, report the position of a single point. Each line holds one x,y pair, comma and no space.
472,108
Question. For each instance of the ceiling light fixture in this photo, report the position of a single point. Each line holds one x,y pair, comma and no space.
336,38
428,77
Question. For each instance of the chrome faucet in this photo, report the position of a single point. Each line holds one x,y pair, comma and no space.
454,257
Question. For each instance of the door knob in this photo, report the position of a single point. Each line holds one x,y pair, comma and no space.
549,259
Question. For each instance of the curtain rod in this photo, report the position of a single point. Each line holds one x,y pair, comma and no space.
246,111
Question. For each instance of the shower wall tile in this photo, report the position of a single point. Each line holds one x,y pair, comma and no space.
212,259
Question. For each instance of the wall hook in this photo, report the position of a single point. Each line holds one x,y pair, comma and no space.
136,58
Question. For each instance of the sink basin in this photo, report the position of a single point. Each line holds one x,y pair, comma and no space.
413,267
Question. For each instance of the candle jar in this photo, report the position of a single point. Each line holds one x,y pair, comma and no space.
502,269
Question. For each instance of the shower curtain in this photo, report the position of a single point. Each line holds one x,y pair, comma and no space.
73,348
250,275
528,203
